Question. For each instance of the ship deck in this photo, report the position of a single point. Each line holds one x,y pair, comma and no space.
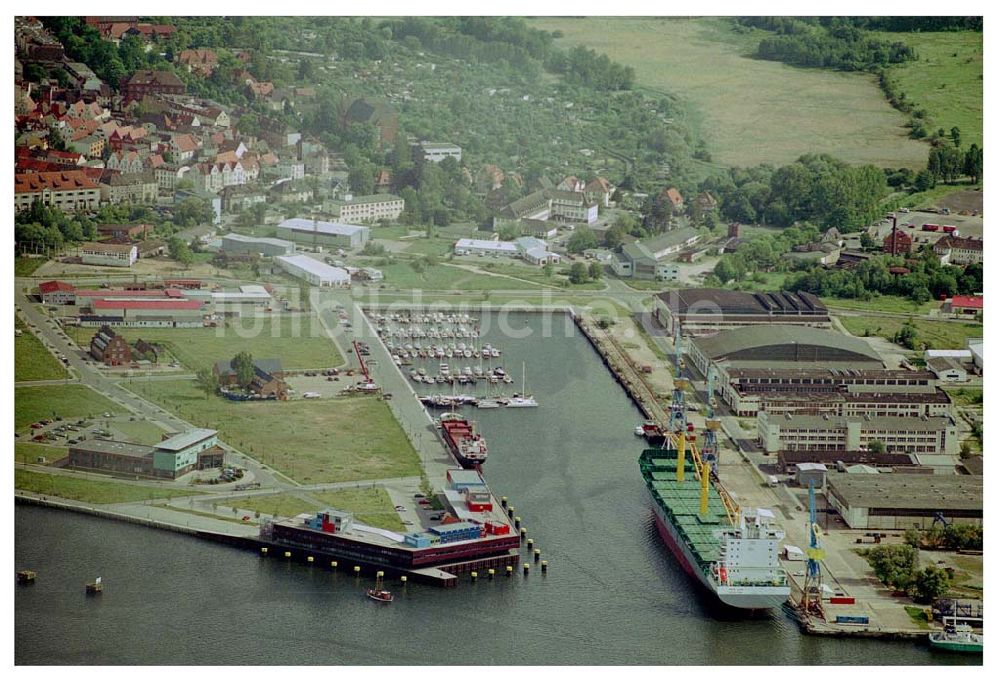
683,501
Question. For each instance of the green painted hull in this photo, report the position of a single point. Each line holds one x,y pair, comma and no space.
952,646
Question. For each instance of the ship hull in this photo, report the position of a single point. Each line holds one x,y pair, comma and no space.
741,597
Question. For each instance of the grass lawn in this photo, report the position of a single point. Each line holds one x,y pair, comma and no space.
273,505
25,267
932,334
946,79
883,303
966,397
298,341
92,491
751,110
28,453
445,277
918,616
65,400
371,506
317,441
32,361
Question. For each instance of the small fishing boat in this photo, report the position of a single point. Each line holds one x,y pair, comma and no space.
379,594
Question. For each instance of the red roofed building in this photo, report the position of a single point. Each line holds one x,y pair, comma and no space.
56,293
673,196
959,250
897,243
963,305
66,190
145,82
201,61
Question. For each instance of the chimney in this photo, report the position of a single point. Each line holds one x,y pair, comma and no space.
893,235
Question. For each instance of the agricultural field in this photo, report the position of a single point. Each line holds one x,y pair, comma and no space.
946,79
93,491
32,361
298,341
932,334
751,111
65,400
319,441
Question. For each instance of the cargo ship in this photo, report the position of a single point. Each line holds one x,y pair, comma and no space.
468,447
733,554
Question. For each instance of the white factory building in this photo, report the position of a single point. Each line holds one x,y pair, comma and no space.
267,246
530,249
324,233
313,271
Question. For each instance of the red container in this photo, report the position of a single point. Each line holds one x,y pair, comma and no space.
841,601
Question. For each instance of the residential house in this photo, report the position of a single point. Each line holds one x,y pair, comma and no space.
599,191
110,348
183,147
125,161
673,196
144,82
959,250
268,377
380,114
127,232
200,61
66,190
137,188
169,175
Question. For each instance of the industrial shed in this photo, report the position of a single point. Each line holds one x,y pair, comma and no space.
904,501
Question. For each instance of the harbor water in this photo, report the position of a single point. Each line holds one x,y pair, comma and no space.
613,593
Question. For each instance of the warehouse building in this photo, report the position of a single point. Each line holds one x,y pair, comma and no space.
313,271
436,152
56,293
109,255
895,462
782,346
85,298
529,249
647,258
932,435
901,501
145,313
705,311
265,246
170,458
948,369
323,233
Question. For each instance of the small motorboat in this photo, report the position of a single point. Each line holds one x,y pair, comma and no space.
379,594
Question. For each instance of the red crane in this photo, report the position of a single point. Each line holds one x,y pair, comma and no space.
361,361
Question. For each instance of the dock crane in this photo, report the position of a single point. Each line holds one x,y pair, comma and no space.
812,593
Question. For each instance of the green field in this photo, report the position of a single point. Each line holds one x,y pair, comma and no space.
883,303
32,361
28,453
445,277
25,267
91,491
371,506
946,79
298,341
751,111
319,441
931,334
139,431
64,400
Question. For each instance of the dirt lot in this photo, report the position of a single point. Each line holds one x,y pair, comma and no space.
968,200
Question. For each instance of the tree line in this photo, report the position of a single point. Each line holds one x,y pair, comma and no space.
832,42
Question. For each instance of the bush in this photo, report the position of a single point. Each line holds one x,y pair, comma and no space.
929,584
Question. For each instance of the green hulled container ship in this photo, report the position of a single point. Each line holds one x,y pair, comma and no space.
735,556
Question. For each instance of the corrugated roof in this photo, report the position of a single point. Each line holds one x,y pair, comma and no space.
186,439
320,226
926,492
731,342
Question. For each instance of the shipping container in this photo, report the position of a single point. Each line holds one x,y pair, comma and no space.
859,620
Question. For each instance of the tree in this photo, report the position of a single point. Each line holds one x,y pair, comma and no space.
894,565
208,382
868,241
929,584
243,366
877,447
913,537
193,211
179,250
613,237
361,178
581,239
907,336
956,136
972,164
595,271
578,273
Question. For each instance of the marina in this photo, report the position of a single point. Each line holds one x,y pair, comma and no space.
568,469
